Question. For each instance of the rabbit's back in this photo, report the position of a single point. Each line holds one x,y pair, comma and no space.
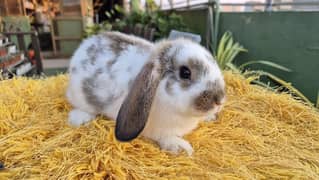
102,70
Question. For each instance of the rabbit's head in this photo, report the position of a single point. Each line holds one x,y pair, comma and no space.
181,75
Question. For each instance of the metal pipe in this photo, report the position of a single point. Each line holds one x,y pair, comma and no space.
273,4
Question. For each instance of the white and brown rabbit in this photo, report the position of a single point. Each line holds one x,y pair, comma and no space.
159,90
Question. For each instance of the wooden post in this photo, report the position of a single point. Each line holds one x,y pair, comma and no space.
35,44
21,43
6,7
53,37
23,8
209,27
20,3
36,47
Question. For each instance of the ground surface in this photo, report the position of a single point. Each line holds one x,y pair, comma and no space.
259,135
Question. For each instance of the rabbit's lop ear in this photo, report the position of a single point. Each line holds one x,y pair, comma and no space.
135,109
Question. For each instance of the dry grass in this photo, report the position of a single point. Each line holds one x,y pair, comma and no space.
259,135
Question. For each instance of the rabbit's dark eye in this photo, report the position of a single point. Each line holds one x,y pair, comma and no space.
184,72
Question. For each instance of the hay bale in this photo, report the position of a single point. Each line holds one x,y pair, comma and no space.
259,135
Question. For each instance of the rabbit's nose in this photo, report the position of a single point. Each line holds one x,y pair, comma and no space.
208,99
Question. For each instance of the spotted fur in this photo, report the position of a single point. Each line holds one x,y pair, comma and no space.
138,84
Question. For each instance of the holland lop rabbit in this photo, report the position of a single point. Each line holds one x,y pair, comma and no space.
159,90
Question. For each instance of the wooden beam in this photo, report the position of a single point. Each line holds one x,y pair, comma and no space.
37,50
66,38
6,7
20,7
54,46
18,33
23,8
68,18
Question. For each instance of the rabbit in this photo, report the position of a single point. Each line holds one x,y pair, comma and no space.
159,90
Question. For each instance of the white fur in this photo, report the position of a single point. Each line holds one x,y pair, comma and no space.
170,117
119,85
78,117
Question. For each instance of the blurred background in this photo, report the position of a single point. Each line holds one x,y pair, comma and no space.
278,37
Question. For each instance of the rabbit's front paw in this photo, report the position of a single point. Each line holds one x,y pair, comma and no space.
78,117
212,117
175,144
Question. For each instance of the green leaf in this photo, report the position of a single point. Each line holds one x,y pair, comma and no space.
119,8
108,14
286,85
221,45
233,53
233,67
268,63
262,84
227,50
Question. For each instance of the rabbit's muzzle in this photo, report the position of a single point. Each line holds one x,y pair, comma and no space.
209,99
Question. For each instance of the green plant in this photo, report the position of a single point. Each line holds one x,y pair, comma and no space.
227,51
96,28
136,5
106,25
151,5
162,22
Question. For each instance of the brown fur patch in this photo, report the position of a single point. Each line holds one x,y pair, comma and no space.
99,71
135,109
84,64
205,101
130,83
166,62
218,90
210,97
169,84
198,68
94,50
110,63
185,84
120,42
89,86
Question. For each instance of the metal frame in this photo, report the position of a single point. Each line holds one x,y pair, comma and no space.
269,4
35,44
272,4
211,7
54,34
